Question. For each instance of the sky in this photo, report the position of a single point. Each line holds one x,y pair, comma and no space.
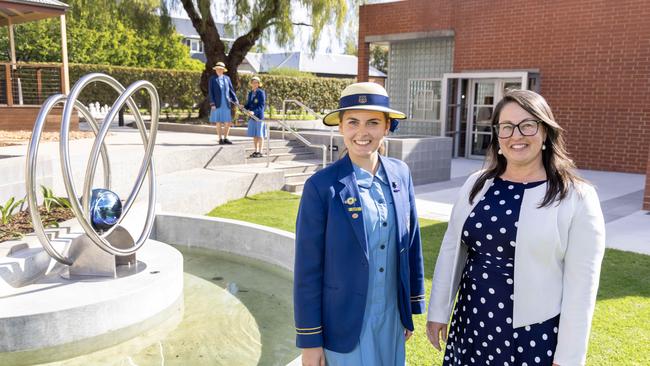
329,41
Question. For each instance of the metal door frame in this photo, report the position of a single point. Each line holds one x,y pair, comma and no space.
471,76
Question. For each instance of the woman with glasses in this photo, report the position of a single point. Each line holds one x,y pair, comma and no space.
522,251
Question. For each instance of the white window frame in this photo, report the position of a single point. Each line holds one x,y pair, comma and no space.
427,96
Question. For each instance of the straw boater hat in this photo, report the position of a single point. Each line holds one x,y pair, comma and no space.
220,65
364,96
256,78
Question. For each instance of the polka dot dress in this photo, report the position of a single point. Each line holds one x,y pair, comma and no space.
481,331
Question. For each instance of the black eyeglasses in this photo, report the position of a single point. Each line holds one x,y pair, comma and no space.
527,127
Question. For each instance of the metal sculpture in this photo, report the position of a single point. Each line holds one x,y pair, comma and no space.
105,243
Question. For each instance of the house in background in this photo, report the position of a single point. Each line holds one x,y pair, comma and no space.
319,64
192,39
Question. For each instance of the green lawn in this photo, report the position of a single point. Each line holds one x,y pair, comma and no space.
621,327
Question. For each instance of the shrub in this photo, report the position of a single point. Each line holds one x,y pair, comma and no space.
179,89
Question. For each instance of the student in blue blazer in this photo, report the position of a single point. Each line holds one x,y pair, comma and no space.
358,274
255,105
220,94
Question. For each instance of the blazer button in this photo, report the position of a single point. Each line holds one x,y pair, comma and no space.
381,269
384,224
382,246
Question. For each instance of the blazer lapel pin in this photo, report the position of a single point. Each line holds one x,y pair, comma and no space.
395,186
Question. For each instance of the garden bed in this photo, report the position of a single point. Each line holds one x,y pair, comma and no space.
20,223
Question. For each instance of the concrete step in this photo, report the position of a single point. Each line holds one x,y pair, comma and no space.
280,149
293,187
276,157
302,166
198,191
297,177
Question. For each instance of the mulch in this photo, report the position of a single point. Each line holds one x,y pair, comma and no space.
9,138
21,222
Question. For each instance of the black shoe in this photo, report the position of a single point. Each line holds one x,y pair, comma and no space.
227,142
258,154
221,142
253,155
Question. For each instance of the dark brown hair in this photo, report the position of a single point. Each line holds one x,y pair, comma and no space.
560,169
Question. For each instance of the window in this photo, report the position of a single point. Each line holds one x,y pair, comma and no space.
195,45
424,99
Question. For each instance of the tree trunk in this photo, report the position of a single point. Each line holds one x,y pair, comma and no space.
215,50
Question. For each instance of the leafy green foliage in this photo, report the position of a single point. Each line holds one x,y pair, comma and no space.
379,57
318,94
50,200
180,89
126,33
7,210
285,71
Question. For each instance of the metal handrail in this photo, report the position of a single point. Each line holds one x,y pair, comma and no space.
297,134
249,114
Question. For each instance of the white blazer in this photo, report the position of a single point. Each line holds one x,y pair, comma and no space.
557,264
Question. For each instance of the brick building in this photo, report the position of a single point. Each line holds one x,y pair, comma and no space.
450,62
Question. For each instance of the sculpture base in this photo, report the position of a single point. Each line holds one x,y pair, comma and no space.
90,260
55,311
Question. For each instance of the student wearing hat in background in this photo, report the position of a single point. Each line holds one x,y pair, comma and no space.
358,274
220,94
255,105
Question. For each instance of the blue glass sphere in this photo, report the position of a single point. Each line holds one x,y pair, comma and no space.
105,209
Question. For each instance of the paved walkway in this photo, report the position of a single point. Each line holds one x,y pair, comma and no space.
621,196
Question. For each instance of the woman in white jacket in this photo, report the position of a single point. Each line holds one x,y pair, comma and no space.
523,250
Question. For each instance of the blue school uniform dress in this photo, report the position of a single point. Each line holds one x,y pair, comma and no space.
481,331
382,335
255,103
358,274
220,89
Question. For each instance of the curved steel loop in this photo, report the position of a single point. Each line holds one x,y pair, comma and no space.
146,167
83,213
31,161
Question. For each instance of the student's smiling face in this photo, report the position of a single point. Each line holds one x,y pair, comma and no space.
363,132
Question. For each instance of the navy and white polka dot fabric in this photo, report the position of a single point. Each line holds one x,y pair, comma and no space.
481,331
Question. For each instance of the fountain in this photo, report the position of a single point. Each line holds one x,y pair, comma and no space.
88,292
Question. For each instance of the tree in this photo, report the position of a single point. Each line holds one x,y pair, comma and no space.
379,57
256,16
114,32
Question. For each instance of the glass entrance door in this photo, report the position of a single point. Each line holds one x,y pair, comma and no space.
483,96
482,100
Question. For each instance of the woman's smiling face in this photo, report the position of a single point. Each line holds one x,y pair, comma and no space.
519,149
363,132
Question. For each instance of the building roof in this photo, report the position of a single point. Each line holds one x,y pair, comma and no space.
185,28
46,3
22,11
318,63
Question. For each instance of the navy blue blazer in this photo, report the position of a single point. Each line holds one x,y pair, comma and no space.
256,102
331,263
214,91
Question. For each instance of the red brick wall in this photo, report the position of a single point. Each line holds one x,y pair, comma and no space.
593,57
646,197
